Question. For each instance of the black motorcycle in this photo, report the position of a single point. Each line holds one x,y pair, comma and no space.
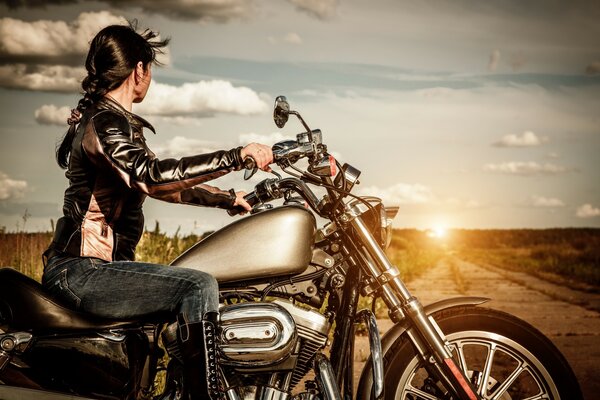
289,312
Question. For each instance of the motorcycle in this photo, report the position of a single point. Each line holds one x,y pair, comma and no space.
289,312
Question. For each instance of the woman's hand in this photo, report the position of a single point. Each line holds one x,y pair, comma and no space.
261,153
240,201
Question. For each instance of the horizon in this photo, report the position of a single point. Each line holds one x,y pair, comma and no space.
465,114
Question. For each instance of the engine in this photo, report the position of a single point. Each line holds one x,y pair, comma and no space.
266,348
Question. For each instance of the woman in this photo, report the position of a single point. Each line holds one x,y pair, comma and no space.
89,264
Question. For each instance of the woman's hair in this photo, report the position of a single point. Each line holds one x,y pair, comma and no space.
113,55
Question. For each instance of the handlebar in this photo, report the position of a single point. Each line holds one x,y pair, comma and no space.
271,189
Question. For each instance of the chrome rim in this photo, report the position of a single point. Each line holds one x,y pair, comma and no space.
499,367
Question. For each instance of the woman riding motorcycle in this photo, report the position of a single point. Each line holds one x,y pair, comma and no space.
90,262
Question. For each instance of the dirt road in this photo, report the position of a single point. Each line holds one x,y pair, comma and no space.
568,317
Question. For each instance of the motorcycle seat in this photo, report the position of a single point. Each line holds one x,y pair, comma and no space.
25,305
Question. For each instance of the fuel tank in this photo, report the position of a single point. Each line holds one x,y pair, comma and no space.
272,243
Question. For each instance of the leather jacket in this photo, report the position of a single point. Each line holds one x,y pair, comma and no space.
111,171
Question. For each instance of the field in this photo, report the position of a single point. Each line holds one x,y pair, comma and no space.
569,256
489,263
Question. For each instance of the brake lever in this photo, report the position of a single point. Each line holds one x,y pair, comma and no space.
250,166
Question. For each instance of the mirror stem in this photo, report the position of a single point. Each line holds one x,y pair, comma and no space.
303,123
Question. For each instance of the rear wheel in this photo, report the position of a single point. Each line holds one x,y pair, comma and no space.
503,356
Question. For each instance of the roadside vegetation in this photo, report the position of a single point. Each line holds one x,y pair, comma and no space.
570,256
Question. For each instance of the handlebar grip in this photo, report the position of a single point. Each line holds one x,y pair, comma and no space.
251,198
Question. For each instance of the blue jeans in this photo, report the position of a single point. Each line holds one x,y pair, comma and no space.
128,289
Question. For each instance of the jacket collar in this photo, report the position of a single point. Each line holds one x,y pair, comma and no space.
134,119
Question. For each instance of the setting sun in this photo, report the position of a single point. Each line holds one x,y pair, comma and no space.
437,232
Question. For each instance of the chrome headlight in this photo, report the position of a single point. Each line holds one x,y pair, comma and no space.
387,215
378,218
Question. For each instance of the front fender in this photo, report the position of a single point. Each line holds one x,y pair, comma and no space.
366,377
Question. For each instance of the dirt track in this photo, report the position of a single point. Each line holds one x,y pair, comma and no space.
570,318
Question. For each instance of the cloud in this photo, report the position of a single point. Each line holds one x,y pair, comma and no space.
525,168
401,193
289,38
198,10
587,211
181,146
11,189
53,42
43,78
494,60
593,68
540,201
322,9
49,114
272,138
201,99
527,139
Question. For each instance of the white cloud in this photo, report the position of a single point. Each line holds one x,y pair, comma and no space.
198,10
181,146
401,193
525,168
45,38
10,188
45,78
289,38
494,60
527,139
321,9
270,139
588,211
201,99
49,114
540,201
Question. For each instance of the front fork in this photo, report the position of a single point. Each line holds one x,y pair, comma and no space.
427,336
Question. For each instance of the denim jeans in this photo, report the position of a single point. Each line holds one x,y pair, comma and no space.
128,289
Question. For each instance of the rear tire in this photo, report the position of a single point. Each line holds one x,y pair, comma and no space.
505,358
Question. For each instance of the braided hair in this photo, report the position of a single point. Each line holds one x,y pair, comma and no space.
114,53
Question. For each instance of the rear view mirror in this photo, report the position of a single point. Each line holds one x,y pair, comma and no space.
281,111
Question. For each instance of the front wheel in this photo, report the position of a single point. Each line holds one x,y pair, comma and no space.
503,356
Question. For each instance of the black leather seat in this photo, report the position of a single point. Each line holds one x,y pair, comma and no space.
25,305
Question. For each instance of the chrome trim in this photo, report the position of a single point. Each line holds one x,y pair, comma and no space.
326,378
308,319
256,334
368,318
15,340
390,337
268,393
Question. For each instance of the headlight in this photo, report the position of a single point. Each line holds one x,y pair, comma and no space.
387,215
378,219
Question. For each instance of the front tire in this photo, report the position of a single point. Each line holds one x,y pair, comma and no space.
505,358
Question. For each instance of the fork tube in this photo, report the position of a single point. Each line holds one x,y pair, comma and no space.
413,309
340,349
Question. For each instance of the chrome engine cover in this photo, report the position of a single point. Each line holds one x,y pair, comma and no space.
256,334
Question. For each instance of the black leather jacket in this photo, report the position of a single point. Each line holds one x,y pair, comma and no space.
111,171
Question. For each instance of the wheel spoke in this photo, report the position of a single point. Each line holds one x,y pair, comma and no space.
461,358
508,382
482,389
539,397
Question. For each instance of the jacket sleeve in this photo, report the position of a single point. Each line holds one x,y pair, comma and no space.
202,195
107,142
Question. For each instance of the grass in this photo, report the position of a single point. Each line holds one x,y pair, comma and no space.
567,256
564,255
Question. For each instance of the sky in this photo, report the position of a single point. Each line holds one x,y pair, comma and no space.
466,114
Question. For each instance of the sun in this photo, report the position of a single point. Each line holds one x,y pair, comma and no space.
438,232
